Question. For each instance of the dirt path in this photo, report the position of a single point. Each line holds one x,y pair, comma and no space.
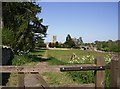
32,80
46,54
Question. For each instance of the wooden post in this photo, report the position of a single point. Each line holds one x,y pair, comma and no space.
99,75
119,70
21,76
114,74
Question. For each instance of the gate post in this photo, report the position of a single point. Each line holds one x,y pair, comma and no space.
119,71
99,75
114,72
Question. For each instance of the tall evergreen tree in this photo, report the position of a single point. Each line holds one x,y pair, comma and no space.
19,19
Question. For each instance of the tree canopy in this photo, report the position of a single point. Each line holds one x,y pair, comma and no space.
21,27
109,46
69,42
78,41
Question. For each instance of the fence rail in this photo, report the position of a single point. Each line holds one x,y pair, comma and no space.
84,68
33,69
25,69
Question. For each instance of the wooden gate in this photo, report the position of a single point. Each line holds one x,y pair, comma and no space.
98,69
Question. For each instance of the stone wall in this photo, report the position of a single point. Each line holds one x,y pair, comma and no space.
7,56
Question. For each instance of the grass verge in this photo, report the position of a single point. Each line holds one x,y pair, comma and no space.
32,58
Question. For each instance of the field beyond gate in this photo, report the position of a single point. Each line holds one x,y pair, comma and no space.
63,58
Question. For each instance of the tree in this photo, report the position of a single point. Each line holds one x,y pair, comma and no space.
78,41
57,44
109,46
75,41
40,42
69,42
19,18
50,44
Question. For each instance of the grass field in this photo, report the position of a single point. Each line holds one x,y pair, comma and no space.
63,57
55,79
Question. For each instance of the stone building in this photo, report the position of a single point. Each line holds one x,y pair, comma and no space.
54,39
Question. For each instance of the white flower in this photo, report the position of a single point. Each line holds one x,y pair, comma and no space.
83,59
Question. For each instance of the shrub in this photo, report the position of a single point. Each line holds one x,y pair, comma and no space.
82,77
20,60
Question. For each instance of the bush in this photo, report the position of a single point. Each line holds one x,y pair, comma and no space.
7,37
82,77
20,60
107,79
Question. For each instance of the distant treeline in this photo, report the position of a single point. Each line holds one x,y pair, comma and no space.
108,46
77,43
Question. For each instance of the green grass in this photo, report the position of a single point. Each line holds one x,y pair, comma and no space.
13,80
83,77
107,79
31,58
20,60
63,57
55,79
54,61
38,53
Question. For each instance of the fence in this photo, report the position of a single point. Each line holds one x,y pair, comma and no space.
98,69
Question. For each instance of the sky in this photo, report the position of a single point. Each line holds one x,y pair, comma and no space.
90,20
